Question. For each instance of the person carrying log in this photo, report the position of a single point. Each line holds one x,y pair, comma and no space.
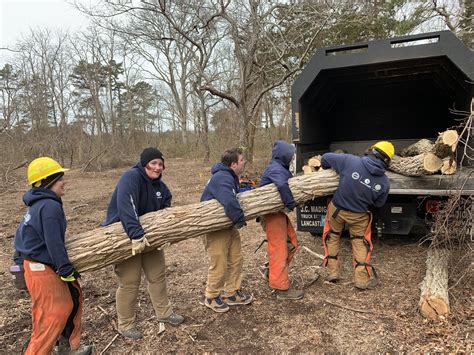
362,184
223,247
50,277
281,236
141,190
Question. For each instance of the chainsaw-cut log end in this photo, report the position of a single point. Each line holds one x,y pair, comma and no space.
449,166
434,308
420,147
449,137
307,169
314,162
431,163
434,299
446,143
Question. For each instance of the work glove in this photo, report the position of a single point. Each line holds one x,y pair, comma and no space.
72,277
139,245
239,225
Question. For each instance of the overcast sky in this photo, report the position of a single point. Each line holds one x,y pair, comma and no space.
18,16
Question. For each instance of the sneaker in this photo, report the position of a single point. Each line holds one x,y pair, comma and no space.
238,298
216,304
173,319
290,294
133,333
369,285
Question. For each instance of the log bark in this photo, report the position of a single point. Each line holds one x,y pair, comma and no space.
421,164
420,147
434,300
100,247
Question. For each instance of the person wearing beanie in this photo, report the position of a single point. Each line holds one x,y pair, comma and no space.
50,277
141,190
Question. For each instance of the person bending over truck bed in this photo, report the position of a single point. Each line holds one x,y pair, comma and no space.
362,184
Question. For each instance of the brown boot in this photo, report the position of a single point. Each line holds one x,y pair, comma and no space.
369,285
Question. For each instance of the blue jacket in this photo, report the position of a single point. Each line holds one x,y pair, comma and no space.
135,195
278,173
223,186
362,181
40,235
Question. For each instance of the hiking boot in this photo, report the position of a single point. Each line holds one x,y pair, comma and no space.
238,298
173,319
369,285
290,294
216,304
333,278
133,333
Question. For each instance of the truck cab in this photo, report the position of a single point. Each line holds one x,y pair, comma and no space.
400,89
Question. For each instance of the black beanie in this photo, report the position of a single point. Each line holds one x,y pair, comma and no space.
149,154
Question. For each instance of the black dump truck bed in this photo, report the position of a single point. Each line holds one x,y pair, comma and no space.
400,89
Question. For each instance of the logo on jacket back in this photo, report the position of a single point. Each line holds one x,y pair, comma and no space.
158,194
27,217
366,182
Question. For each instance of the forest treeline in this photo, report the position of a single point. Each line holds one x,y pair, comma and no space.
190,77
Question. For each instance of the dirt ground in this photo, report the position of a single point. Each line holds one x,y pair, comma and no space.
331,318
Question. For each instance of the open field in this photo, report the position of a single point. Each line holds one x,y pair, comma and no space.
331,318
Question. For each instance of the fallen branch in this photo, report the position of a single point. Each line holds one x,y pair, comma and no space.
109,344
313,253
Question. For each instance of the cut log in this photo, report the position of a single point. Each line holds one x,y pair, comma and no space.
307,169
449,166
419,165
420,147
434,300
100,247
315,162
445,144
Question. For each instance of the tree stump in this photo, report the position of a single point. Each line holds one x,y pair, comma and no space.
420,147
434,300
100,247
419,165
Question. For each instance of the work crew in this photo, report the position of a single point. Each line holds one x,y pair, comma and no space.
281,236
362,184
51,279
141,190
224,246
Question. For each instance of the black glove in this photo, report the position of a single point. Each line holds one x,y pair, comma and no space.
72,277
239,225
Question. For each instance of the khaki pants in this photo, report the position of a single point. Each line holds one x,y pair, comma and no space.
357,222
225,260
129,273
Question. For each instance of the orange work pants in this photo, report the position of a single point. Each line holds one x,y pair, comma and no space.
279,231
54,311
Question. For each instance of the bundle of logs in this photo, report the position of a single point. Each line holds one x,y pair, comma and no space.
425,157
421,158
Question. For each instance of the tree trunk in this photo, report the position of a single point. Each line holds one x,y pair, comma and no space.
434,300
421,164
420,147
110,245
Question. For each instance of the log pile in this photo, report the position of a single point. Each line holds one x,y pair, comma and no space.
425,157
100,247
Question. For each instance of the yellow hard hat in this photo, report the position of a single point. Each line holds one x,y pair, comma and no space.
41,168
385,147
